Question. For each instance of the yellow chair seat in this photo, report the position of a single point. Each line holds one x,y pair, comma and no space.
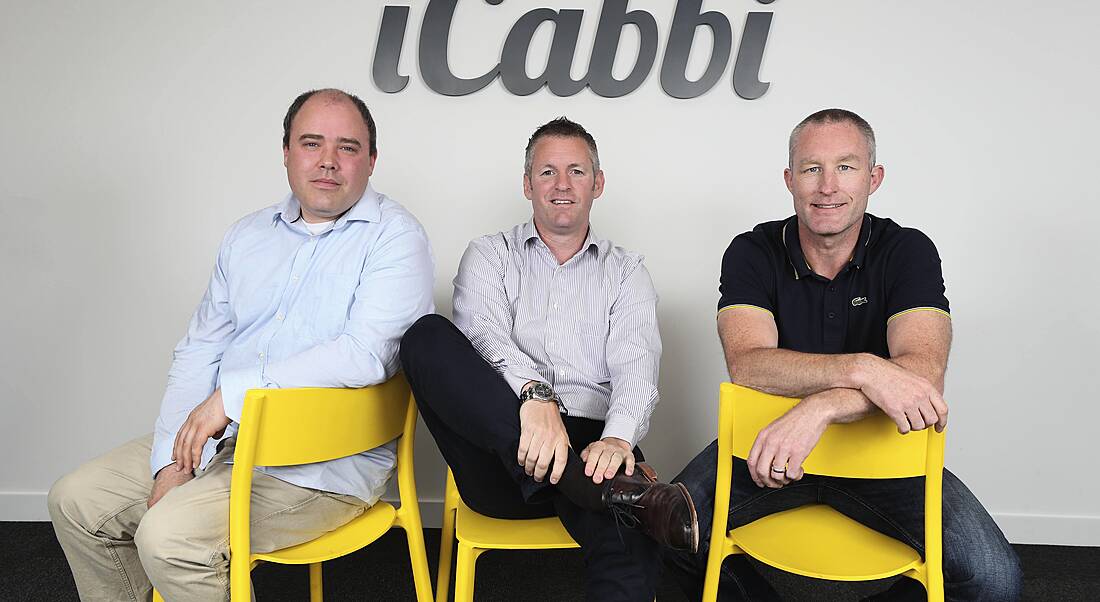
365,528
476,534
836,546
481,531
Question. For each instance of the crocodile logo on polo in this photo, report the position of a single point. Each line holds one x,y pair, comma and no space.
857,301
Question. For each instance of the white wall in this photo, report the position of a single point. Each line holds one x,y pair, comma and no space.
133,133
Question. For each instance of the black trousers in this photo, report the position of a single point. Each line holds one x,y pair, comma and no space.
474,417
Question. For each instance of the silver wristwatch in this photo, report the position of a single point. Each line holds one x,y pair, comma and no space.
542,392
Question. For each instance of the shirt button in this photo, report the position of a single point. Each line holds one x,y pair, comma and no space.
295,279
832,289
279,317
261,355
832,315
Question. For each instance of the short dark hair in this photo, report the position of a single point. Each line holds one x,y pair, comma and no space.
355,100
564,128
833,116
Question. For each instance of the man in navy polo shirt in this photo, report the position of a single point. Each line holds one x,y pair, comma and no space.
846,311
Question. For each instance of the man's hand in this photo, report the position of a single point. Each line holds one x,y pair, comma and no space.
909,400
602,458
542,440
785,443
167,479
207,420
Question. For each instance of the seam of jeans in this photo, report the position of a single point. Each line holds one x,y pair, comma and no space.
733,577
254,521
766,494
127,585
112,514
919,546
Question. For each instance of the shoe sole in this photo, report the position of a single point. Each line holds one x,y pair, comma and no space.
694,518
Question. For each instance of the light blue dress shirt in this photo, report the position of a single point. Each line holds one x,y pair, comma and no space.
286,308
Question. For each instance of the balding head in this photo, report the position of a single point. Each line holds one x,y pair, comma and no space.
331,95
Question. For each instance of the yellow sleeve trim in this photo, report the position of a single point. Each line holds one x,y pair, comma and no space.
756,307
909,311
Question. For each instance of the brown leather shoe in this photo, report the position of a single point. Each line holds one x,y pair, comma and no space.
663,511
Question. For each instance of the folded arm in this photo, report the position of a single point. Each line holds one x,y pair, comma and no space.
394,290
835,387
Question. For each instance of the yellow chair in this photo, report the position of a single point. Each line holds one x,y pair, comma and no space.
281,427
477,533
815,540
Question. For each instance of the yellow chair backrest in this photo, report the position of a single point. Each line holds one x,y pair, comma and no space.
282,427
815,540
867,449
333,424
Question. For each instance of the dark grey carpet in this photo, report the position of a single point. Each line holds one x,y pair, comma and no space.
32,567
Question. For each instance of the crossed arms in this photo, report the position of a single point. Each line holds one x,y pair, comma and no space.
835,388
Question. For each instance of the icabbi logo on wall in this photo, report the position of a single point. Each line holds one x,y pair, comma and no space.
615,15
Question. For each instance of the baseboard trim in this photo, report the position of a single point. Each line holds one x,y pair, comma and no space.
23,506
1048,529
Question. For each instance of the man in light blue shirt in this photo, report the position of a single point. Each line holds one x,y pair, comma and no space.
313,292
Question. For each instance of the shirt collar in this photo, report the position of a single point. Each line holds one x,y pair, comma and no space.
591,241
367,209
797,260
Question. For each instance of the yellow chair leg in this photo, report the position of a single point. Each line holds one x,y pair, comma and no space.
156,596
446,555
464,572
316,586
422,579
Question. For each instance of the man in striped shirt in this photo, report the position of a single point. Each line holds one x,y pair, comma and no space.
539,392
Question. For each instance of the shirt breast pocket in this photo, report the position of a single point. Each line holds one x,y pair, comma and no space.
329,298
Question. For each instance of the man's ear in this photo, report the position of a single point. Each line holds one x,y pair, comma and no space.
878,172
597,185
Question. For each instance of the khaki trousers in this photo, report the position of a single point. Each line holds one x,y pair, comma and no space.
118,549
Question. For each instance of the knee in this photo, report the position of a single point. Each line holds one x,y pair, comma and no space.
999,577
66,495
158,540
419,340
989,570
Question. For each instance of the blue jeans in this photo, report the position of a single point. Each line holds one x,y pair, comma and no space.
978,562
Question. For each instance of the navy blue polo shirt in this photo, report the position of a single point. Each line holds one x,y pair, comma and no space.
894,270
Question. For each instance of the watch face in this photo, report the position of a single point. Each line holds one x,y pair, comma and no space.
542,391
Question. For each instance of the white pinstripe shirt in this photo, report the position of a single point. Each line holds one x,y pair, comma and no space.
588,327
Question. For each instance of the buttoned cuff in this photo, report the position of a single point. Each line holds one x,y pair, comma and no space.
621,427
518,377
162,454
234,384
161,457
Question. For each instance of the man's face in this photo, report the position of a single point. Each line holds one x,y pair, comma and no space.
561,185
328,160
831,178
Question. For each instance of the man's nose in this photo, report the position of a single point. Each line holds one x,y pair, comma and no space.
828,182
561,182
329,160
